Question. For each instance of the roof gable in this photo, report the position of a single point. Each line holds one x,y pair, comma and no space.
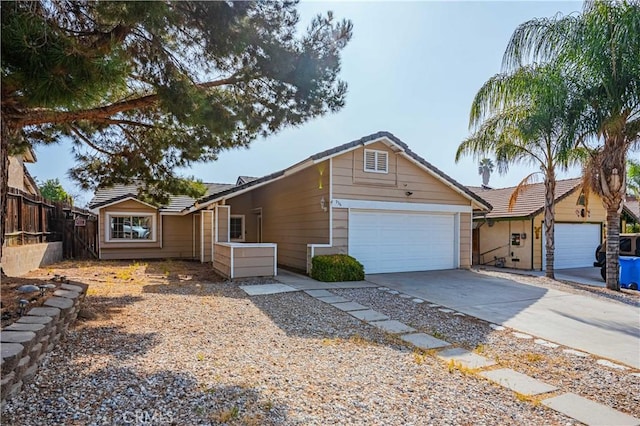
104,197
393,142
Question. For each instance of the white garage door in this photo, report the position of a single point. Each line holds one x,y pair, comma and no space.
391,241
575,245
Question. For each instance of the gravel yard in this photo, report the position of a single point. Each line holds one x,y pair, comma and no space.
170,343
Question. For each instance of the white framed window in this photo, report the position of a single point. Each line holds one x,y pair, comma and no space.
236,227
130,227
376,161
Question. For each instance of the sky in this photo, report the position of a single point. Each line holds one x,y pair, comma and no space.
413,69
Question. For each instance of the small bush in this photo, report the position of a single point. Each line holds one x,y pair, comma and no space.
336,267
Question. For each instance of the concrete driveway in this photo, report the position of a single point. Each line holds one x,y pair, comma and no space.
600,327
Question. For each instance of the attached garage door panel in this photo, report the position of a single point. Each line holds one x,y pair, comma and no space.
401,241
575,245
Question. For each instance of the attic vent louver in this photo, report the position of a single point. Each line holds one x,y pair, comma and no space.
376,161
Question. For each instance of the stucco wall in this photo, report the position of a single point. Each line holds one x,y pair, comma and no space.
18,260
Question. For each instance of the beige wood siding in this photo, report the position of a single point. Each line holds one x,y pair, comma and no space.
223,224
247,261
495,241
253,262
465,240
291,213
243,205
207,217
567,210
222,260
177,242
351,182
128,250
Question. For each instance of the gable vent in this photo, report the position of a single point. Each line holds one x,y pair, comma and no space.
376,161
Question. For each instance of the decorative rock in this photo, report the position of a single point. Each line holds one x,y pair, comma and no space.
48,286
59,302
417,300
384,288
497,327
459,314
446,311
405,296
28,288
393,292
433,305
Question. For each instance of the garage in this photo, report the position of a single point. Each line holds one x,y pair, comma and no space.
575,244
397,241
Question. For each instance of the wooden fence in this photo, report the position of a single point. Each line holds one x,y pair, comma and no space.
32,219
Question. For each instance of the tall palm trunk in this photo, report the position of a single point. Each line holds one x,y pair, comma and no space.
549,221
613,249
610,182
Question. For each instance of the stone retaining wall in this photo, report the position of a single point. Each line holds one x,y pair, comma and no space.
18,260
25,343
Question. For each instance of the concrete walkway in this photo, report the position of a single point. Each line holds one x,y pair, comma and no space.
600,327
574,406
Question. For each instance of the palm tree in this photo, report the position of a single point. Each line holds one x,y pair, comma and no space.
485,168
598,53
520,117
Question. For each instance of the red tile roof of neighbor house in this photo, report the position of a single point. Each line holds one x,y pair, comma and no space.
632,207
530,201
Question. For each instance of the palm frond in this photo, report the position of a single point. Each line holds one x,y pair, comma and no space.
522,187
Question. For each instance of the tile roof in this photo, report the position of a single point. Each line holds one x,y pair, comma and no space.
632,207
177,203
341,148
530,202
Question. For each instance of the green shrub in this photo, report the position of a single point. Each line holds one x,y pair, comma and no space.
336,267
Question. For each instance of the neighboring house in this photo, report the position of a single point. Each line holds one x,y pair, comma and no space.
515,238
372,198
19,177
631,212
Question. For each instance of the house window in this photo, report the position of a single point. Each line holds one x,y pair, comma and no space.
236,227
130,227
376,161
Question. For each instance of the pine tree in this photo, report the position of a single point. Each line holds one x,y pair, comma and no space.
143,88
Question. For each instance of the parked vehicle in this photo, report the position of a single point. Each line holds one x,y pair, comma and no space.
629,246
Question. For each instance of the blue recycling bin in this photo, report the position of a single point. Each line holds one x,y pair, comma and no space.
629,272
